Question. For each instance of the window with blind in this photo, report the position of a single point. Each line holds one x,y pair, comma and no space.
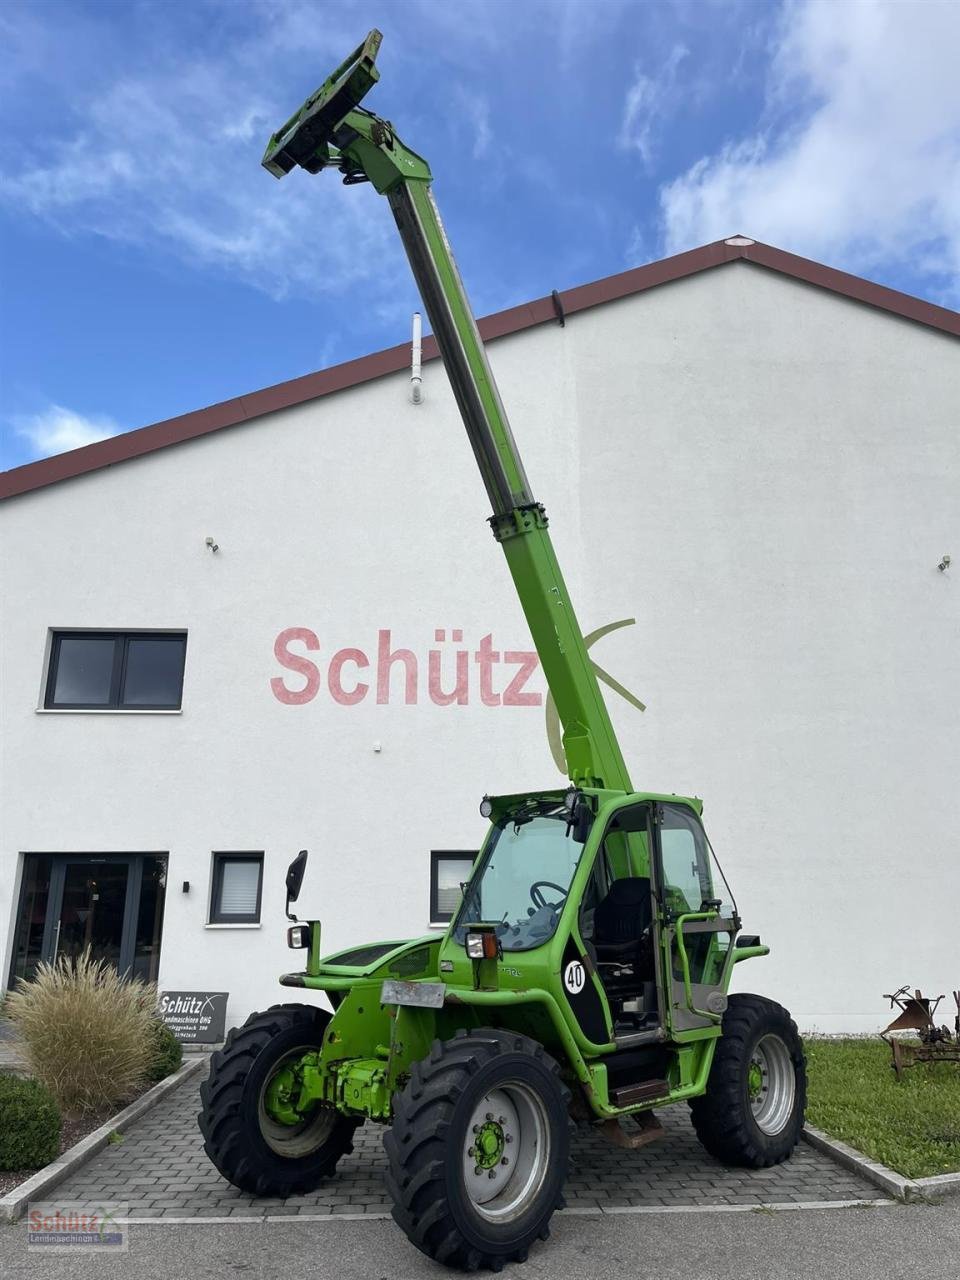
448,871
236,888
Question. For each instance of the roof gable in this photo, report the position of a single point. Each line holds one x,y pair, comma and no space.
188,426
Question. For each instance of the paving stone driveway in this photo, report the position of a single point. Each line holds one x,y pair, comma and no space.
161,1171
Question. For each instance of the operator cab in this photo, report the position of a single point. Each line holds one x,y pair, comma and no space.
653,861
648,894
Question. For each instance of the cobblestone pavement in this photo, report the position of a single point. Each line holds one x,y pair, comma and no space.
161,1171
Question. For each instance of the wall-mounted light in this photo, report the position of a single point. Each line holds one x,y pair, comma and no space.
186,886
944,564
212,545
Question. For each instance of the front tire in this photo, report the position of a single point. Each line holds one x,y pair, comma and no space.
752,1112
250,1148
478,1149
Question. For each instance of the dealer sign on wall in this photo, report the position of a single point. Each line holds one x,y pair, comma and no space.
195,1017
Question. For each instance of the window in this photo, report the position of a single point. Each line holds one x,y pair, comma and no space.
448,871
103,670
34,892
685,870
522,881
236,888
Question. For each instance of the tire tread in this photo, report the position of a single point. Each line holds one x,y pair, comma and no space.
417,1149
227,1127
721,1116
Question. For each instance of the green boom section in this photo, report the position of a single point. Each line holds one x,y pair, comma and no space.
331,129
590,745
519,522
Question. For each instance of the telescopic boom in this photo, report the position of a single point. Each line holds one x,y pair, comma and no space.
331,128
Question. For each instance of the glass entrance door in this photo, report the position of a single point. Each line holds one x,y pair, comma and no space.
109,903
92,910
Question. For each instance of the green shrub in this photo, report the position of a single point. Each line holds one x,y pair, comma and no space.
30,1133
86,1032
167,1051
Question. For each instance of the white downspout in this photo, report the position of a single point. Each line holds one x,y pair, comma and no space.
416,382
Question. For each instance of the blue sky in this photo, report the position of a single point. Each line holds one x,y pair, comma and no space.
150,266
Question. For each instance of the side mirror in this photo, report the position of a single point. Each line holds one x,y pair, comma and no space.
295,879
580,818
582,822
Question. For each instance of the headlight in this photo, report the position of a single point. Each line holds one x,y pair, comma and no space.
486,807
482,946
298,937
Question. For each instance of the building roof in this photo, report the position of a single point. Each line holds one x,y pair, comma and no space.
188,426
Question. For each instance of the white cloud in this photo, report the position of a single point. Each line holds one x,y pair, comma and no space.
167,157
649,100
476,110
56,429
638,248
860,160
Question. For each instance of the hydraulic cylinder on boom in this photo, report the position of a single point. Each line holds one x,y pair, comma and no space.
331,129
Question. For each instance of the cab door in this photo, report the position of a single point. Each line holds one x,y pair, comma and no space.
698,923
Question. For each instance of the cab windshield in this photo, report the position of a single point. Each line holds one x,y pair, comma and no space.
523,881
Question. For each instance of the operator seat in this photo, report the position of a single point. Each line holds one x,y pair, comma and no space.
620,921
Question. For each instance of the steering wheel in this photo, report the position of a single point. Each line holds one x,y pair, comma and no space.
536,894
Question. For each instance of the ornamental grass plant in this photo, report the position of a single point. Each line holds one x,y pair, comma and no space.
86,1032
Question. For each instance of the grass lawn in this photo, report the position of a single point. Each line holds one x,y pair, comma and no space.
912,1126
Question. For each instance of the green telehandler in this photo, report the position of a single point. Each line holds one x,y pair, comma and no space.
584,976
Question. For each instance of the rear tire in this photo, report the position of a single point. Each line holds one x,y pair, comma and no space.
251,1150
752,1112
478,1149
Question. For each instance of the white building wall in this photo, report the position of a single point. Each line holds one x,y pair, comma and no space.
761,473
